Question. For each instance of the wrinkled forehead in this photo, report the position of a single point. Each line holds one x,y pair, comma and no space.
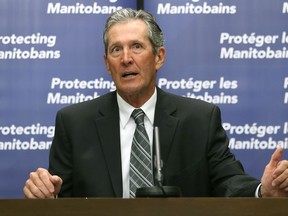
130,26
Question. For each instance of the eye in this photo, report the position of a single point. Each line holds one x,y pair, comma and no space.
115,51
137,47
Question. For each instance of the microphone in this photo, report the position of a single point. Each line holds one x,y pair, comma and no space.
158,190
158,163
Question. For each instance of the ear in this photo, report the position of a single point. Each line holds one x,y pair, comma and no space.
160,58
106,63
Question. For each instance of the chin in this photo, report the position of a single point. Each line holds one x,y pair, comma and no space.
129,91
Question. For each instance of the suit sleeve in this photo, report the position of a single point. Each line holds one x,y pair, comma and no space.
226,173
60,159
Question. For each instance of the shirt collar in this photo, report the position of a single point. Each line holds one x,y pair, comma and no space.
125,109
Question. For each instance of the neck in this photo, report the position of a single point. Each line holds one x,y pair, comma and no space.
137,100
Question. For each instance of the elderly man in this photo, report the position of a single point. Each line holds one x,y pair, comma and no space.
94,141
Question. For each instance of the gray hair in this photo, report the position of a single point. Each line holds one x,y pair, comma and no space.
155,34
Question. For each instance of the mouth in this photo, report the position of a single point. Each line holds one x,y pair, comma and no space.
129,74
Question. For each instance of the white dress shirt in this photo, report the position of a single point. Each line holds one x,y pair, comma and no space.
127,128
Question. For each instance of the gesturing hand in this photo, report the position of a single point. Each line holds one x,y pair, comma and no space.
41,184
275,176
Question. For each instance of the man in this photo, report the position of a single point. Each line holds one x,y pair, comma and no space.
91,149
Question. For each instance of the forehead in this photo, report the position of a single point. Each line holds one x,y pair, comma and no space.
130,29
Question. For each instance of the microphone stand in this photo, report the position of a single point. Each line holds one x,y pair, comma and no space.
158,190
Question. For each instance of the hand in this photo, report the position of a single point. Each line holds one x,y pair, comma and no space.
275,176
42,184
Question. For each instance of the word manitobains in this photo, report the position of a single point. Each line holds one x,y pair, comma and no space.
196,8
254,143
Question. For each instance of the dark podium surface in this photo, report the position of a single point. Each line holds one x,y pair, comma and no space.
146,206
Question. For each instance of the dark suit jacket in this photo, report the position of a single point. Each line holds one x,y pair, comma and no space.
86,149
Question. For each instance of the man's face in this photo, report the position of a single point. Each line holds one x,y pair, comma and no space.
130,59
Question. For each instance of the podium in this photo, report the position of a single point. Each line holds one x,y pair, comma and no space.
146,206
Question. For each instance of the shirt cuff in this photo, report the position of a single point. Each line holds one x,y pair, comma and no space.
258,191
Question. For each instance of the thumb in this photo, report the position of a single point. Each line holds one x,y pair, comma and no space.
57,182
276,157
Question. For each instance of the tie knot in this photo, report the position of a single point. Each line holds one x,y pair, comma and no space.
138,116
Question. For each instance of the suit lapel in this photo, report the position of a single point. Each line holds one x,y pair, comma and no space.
107,126
166,122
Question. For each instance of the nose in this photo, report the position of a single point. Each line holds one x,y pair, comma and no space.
126,57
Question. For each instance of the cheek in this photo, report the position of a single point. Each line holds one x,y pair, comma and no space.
110,65
150,67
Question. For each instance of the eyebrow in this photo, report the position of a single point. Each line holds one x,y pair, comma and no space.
117,43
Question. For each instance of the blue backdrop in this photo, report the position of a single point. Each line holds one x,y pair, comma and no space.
231,53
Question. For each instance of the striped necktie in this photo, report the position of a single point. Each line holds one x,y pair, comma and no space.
140,174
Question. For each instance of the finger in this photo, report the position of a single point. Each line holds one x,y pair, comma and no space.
284,185
57,182
276,157
44,183
27,193
282,166
39,184
32,191
281,175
